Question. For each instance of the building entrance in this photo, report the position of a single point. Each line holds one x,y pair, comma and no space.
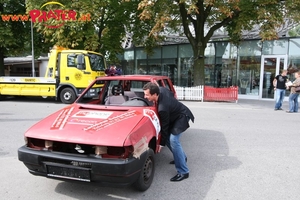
271,65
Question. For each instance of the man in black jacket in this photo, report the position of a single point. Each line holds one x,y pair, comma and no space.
174,119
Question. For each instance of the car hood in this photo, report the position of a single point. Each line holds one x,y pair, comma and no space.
87,125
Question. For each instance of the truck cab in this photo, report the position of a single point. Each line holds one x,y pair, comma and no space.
68,73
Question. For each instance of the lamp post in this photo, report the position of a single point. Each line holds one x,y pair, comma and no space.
32,49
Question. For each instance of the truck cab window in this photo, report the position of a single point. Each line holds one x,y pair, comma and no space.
50,72
76,60
97,62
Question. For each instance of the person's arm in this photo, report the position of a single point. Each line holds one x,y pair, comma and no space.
164,122
275,82
296,83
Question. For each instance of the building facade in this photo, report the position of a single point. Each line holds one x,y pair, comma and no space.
251,66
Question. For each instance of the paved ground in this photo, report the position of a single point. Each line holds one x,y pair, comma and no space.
236,151
247,151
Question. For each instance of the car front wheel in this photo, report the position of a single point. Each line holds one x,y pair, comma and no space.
147,173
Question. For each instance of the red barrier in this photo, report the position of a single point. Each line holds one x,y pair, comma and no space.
220,94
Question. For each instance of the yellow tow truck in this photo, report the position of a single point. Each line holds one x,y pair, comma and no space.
68,73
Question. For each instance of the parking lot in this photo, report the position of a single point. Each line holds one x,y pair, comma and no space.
243,150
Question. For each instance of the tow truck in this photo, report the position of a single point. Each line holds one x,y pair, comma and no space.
68,73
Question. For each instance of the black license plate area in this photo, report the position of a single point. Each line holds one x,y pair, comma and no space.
69,173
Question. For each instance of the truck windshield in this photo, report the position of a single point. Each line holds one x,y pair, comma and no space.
97,62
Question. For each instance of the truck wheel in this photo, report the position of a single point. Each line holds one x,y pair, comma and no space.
67,96
147,173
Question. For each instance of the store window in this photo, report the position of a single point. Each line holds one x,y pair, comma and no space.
220,64
128,62
154,62
275,47
230,66
248,69
141,62
169,51
169,63
210,67
294,55
186,61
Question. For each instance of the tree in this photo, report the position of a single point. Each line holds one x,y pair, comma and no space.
199,19
15,34
295,32
99,26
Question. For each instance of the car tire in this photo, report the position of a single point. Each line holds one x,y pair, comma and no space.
67,96
145,178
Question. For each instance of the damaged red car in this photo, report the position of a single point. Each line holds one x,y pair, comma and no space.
110,138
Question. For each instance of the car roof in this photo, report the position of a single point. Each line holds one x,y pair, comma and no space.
134,77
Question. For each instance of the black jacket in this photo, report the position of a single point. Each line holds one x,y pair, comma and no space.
174,116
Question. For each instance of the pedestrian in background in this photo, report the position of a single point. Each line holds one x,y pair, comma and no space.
174,119
279,84
293,97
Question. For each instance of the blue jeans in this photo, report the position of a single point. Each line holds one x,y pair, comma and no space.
179,156
293,102
280,93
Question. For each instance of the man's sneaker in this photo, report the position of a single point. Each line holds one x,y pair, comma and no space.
279,108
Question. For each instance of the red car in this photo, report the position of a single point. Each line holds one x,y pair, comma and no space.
110,138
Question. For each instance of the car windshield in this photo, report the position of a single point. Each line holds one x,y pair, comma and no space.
97,62
115,93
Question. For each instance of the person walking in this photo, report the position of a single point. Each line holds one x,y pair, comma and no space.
174,119
280,87
293,97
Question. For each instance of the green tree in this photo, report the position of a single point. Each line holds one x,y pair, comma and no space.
13,34
295,32
102,27
199,19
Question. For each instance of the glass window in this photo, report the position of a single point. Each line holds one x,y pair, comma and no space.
141,62
169,68
250,48
229,66
294,56
128,66
142,67
275,47
210,54
169,51
185,72
220,66
72,60
97,62
209,69
155,66
76,60
129,55
140,54
156,53
248,70
185,50
137,86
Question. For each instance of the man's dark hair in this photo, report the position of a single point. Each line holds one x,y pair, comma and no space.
153,88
